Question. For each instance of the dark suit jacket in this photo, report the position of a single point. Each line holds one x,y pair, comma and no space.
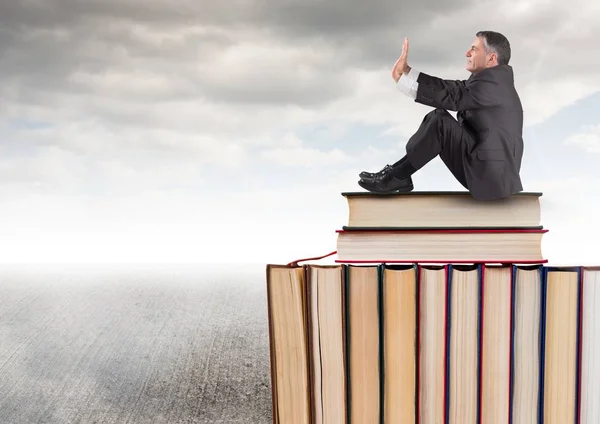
489,109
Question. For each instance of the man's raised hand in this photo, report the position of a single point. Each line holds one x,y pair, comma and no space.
401,65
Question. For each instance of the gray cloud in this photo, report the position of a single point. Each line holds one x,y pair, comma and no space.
288,16
44,44
158,51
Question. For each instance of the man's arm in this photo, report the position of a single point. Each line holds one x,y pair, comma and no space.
476,92
456,95
408,84
440,83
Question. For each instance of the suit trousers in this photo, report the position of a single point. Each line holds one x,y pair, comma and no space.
441,134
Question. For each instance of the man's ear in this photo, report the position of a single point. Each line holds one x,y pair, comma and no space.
493,58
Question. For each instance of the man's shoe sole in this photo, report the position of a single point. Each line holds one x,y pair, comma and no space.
405,189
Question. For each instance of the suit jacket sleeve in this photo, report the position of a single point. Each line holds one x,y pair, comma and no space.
456,95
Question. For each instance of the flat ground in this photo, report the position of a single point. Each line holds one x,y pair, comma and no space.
135,346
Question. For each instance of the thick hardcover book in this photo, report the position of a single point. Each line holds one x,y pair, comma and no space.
326,319
521,246
288,347
432,344
438,209
399,342
496,307
463,349
364,344
561,334
589,383
526,344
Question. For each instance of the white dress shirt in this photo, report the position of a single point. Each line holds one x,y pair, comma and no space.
408,84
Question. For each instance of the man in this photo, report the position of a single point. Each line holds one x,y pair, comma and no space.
484,147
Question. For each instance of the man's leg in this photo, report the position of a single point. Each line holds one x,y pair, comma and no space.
439,134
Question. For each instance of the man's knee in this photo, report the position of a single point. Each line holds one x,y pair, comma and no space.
437,114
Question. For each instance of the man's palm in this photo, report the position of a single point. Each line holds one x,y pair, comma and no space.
401,64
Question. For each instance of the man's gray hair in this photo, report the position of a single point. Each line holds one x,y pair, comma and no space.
494,42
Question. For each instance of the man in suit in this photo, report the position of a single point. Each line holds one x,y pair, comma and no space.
484,147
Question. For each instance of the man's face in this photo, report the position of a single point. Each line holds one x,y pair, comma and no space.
477,60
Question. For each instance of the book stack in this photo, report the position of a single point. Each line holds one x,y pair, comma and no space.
441,227
439,309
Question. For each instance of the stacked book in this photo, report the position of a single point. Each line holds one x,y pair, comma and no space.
440,309
441,227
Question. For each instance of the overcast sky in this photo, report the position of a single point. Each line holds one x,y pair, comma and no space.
225,131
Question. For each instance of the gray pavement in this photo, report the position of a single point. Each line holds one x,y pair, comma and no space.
176,345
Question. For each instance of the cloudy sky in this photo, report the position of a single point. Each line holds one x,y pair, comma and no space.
224,131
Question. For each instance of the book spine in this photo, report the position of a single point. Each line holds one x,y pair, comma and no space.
380,274
348,352
513,282
271,347
577,366
543,287
418,270
481,301
345,333
308,290
579,345
448,312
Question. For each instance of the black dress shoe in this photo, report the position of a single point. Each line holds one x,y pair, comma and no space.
374,175
387,184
